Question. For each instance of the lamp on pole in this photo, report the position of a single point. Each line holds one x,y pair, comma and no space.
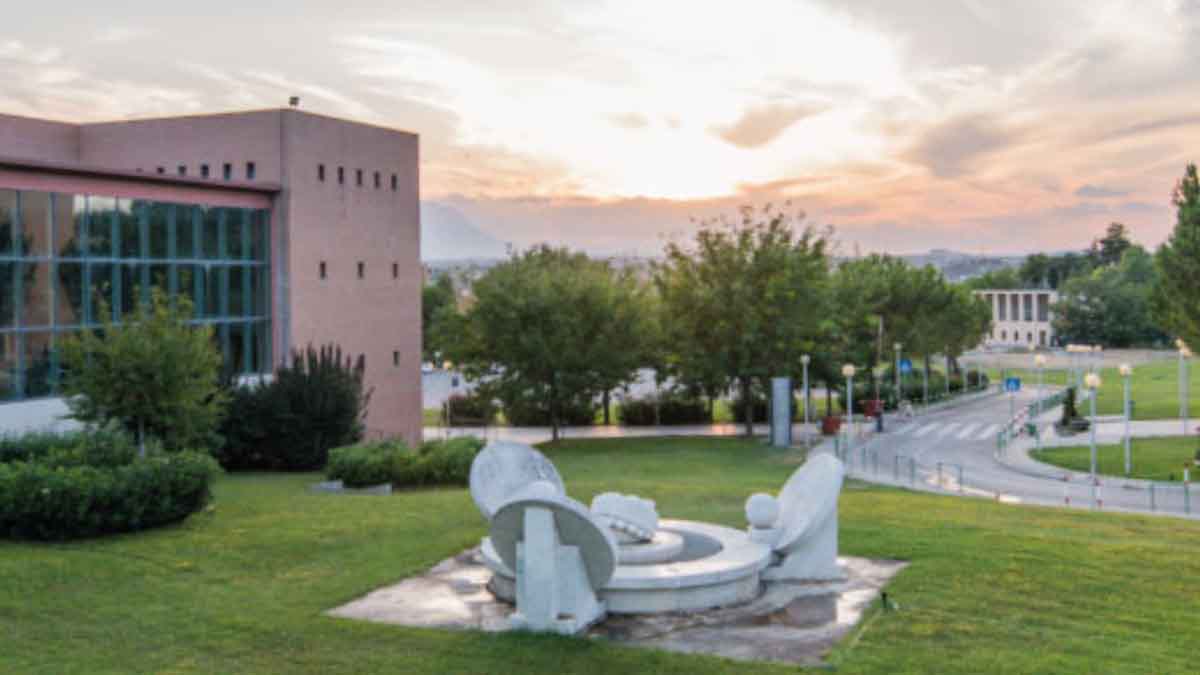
1092,382
1184,355
447,366
947,372
897,347
1126,371
1040,362
848,371
804,361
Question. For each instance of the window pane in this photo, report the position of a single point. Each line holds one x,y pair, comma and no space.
158,215
98,287
35,223
69,293
72,224
10,344
37,364
11,287
8,220
209,245
37,296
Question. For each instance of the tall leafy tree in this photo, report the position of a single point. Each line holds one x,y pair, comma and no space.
745,299
437,298
1176,302
551,326
1108,249
1111,305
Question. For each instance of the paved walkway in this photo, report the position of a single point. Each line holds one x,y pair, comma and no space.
532,435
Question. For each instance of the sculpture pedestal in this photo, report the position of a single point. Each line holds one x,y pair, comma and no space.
553,590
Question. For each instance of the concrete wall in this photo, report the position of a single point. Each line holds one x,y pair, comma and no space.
28,138
342,225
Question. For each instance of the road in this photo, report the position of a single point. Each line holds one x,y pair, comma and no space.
965,438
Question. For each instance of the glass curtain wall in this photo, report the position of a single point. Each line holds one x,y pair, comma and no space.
66,258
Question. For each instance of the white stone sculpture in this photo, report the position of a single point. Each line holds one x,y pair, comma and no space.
504,468
562,557
632,519
801,526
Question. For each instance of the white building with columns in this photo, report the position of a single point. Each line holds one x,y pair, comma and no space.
1020,317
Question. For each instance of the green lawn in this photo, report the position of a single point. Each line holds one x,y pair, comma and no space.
1154,388
1153,458
242,588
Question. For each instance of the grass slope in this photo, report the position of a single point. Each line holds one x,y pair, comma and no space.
1154,388
1152,458
242,588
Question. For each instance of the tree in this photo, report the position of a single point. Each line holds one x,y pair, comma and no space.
1108,249
1176,304
1111,305
550,326
437,298
998,279
745,299
152,372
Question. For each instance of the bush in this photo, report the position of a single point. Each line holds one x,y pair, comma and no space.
738,408
434,463
470,410
153,372
95,483
672,409
527,412
316,403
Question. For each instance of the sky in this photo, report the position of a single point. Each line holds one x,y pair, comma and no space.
980,126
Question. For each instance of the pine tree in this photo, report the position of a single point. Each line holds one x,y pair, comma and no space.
1177,293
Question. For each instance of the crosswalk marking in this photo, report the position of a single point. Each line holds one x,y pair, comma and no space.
927,429
988,432
966,430
947,430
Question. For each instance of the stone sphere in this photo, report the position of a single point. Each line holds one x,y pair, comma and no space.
762,510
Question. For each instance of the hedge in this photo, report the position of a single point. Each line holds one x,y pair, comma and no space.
671,410
434,463
88,484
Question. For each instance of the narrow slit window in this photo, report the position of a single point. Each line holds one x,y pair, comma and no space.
204,171
378,180
362,269
358,177
182,170
395,182
160,170
395,270
321,172
250,170
395,358
321,269
227,171
341,175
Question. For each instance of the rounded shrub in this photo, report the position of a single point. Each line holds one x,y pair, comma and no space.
96,483
527,412
434,463
470,410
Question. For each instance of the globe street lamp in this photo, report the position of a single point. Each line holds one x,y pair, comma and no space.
804,360
848,371
1092,382
1126,371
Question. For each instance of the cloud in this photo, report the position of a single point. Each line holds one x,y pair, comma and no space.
760,125
120,34
629,120
1098,192
953,148
1153,126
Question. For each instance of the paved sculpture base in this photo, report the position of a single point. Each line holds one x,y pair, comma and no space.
793,624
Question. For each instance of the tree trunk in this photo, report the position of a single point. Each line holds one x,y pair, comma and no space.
748,406
141,437
828,400
554,409
606,402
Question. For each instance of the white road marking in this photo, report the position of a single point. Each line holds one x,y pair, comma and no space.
927,429
949,429
988,433
966,431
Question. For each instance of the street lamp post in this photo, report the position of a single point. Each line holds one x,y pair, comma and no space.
1126,371
947,372
804,360
1184,354
449,400
1040,362
1092,382
897,347
848,371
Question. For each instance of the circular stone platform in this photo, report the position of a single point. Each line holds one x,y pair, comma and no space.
717,566
662,547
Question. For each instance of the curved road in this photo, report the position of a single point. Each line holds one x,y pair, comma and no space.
908,452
